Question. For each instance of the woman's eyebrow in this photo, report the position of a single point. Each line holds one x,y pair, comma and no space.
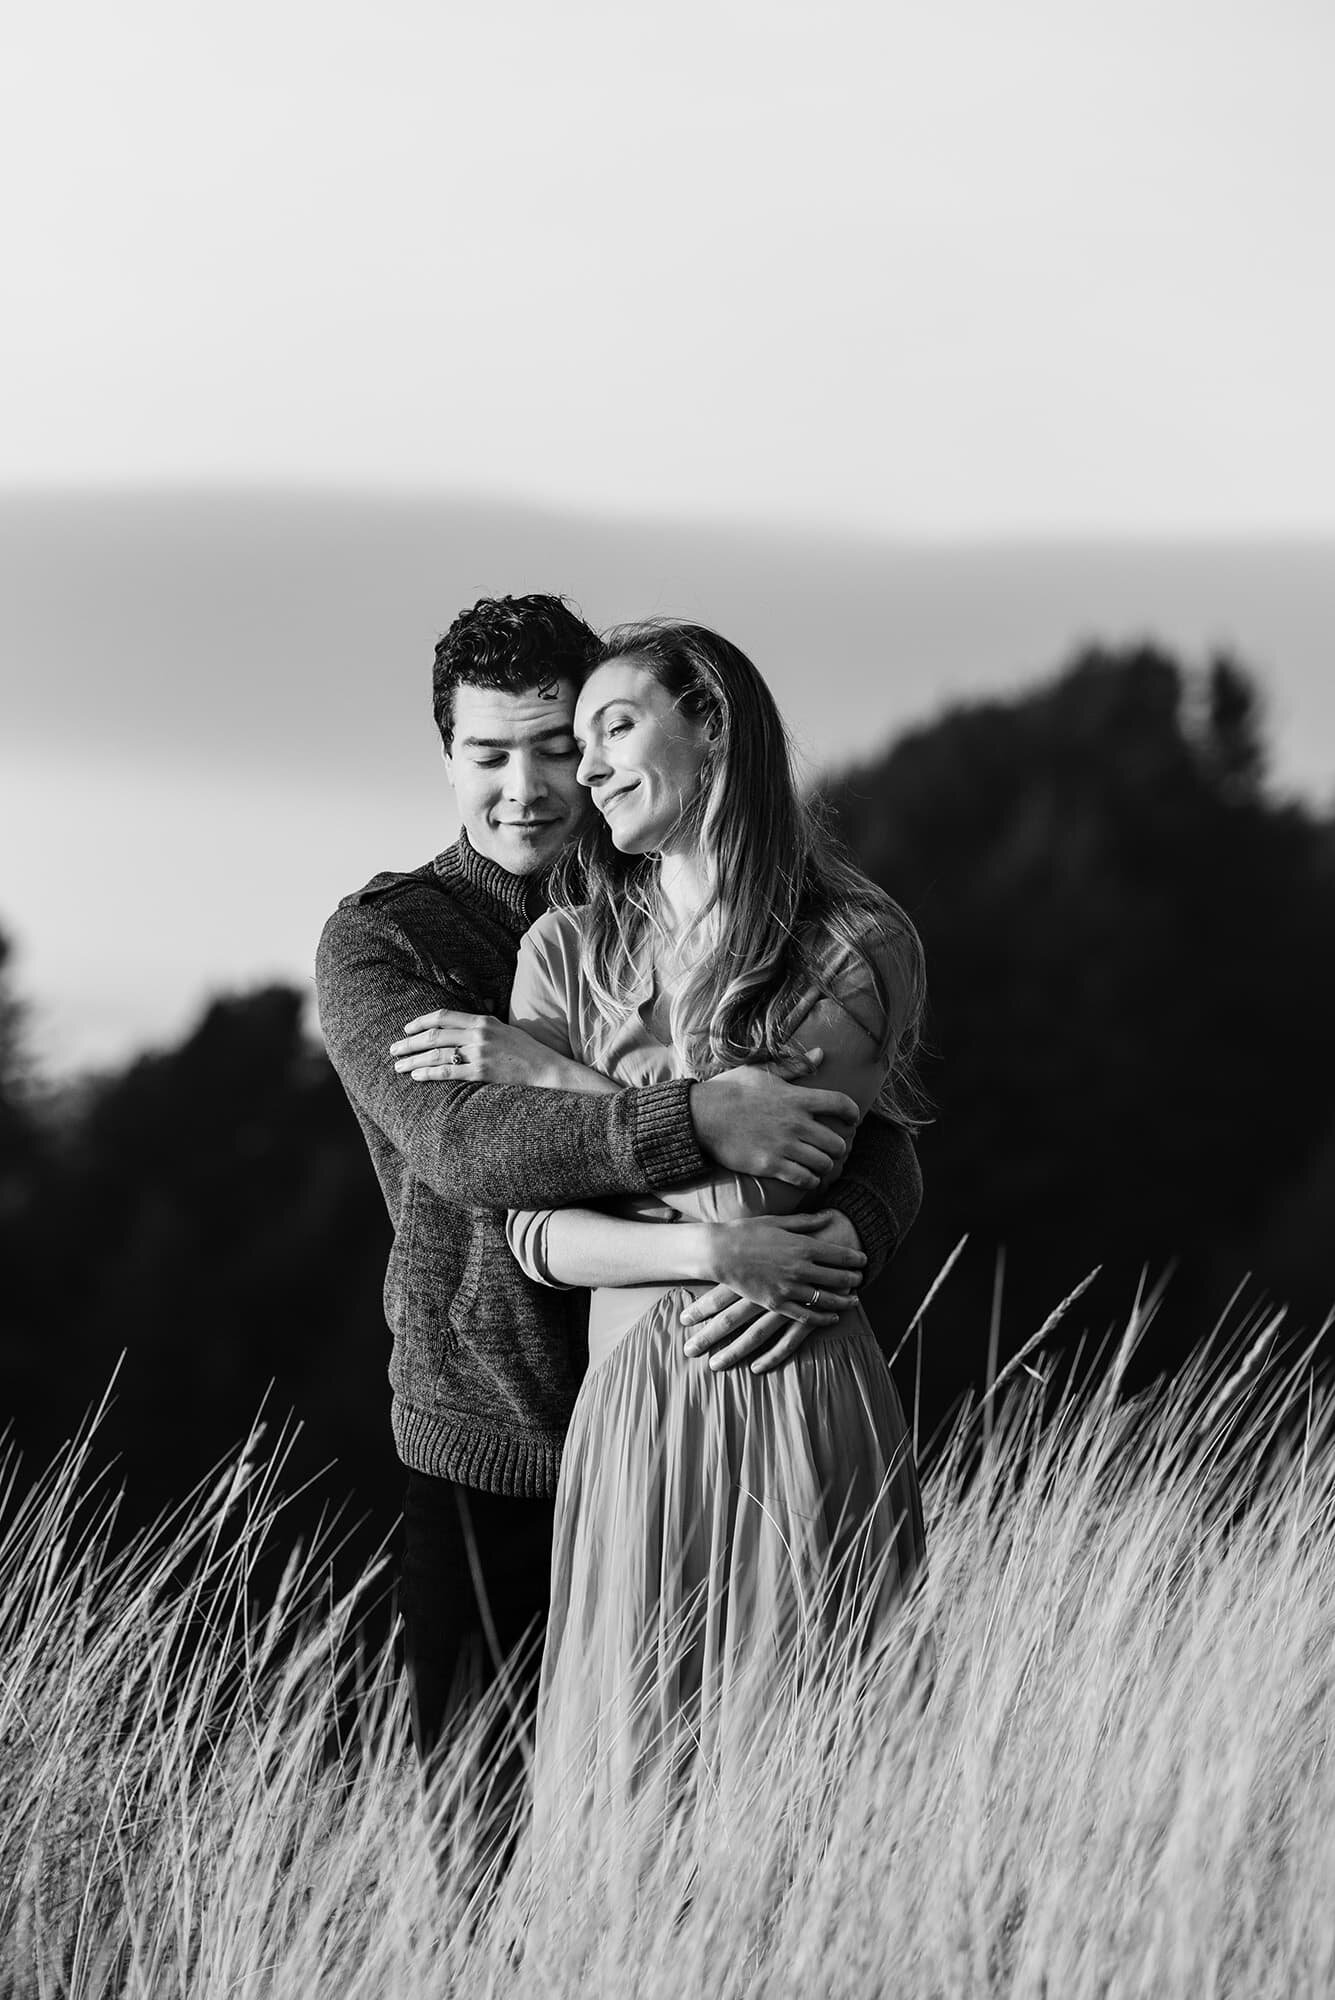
625,700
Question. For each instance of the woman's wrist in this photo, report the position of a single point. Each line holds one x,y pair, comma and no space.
560,1073
698,1247
713,1241
564,1073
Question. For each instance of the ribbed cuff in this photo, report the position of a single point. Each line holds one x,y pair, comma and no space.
666,1148
869,1216
523,1468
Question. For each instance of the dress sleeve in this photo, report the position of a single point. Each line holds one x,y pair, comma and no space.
855,1023
544,1002
544,999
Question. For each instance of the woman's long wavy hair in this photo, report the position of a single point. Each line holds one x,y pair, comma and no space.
784,905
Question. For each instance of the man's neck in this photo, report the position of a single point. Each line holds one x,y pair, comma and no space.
523,896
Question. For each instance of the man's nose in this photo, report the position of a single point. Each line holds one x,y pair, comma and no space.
525,779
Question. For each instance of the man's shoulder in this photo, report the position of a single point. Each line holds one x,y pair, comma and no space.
402,906
399,894
393,885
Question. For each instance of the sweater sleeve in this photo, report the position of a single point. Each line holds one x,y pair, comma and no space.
485,1145
879,1189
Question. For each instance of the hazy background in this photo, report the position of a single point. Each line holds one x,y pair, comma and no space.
915,347
909,345
222,719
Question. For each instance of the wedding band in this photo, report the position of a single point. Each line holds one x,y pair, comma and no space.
458,1056
814,1300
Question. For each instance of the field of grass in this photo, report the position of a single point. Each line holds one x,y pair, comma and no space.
1119,1781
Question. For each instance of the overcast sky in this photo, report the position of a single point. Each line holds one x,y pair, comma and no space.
947,267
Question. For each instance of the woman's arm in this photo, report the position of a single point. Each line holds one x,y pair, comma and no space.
535,1046
449,1046
776,1261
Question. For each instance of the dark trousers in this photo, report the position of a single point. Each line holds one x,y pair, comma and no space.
475,1584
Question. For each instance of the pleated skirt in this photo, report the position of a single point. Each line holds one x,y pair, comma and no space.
718,1536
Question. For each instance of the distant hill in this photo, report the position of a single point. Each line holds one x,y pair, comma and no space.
273,627
214,712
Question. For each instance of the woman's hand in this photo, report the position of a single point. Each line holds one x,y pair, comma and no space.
732,1329
452,1047
788,1264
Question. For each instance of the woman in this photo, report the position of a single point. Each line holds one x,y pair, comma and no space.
708,1525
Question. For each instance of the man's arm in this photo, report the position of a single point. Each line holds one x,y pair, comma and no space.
493,1146
879,1189
513,1146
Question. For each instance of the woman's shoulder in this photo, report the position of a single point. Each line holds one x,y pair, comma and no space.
863,962
547,985
555,933
849,947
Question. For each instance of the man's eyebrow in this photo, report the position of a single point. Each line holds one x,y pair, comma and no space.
508,742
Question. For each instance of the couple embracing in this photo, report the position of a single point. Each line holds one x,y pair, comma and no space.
632,1062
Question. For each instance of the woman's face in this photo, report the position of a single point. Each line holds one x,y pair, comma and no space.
640,757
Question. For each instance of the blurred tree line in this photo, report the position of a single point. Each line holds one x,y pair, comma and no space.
1131,956
1131,966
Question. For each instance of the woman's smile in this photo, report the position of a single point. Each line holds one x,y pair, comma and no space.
609,799
640,756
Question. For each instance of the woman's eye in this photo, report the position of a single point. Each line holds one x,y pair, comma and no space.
487,763
618,728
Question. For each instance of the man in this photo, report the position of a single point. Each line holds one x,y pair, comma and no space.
485,1365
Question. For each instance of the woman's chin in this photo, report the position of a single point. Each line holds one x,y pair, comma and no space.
626,839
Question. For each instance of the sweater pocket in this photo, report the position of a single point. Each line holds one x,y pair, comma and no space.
462,1306
436,1267
492,1302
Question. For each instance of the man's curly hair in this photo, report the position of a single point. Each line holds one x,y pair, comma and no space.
509,644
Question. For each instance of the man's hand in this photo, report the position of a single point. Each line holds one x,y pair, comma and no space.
732,1328
765,1339
752,1122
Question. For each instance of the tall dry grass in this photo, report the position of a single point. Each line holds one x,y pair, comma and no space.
1118,1782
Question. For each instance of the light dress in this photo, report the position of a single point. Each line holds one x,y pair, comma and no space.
712,1529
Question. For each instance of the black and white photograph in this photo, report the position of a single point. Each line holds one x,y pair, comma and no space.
667,966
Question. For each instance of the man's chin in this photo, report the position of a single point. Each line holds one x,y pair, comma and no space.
528,853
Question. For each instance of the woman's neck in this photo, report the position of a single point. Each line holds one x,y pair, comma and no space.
681,889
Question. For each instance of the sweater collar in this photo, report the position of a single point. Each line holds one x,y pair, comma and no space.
512,900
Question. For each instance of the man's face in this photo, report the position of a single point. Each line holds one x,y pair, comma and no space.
512,767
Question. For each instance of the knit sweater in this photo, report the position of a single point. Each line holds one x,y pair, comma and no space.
485,1365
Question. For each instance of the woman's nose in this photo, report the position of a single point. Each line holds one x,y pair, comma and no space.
591,766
